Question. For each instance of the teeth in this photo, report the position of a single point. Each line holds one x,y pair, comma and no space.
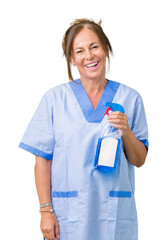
92,65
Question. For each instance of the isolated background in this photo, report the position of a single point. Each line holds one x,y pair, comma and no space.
31,63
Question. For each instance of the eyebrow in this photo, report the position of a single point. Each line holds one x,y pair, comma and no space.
90,45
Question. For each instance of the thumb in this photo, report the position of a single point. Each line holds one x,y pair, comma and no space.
57,234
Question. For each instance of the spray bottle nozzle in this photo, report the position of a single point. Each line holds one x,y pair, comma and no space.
109,110
113,107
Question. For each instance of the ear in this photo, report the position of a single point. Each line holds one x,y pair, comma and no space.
72,61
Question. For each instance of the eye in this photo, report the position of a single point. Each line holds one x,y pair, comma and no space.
79,51
94,47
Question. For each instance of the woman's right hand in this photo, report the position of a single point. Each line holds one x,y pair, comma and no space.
49,226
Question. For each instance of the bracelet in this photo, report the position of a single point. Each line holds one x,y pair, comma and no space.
50,210
45,205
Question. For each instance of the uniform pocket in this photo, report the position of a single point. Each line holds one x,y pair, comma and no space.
121,206
65,205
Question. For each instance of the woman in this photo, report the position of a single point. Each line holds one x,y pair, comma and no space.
79,201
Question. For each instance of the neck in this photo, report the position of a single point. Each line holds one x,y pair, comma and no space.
94,86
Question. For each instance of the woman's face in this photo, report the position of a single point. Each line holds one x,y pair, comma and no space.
88,55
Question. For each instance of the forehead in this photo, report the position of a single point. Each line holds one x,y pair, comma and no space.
85,37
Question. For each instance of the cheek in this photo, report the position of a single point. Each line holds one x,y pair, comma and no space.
103,61
103,57
78,61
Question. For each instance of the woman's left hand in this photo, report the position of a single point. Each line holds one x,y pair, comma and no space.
135,150
119,121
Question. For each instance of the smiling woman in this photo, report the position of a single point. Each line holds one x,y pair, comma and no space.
85,27
77,200
88,55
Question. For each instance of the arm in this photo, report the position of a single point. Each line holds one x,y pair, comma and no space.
134,149
49,223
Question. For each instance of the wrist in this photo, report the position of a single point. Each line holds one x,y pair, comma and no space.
47,210
44,205
127,134
46,215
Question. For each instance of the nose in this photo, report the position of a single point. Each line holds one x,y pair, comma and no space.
88,54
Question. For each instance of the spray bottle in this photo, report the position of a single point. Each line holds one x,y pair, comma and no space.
109,142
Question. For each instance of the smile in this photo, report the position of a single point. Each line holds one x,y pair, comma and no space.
91,65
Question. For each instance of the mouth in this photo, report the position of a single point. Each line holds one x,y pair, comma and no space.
92,65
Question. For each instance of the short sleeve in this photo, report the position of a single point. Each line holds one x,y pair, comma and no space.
139,123
39,137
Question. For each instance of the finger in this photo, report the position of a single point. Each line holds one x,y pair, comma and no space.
119,120
122,122
116,113
51,235
117,117
48,231
118,126
123,128
46,235
57,234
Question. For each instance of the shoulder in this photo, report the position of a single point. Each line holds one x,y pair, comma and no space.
57,91
127,93
129,98
129,90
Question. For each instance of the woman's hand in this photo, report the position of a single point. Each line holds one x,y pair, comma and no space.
49,222
135,150
119,121
49,226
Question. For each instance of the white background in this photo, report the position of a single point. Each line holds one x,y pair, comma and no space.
31,62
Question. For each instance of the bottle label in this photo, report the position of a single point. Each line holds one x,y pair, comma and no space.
107,153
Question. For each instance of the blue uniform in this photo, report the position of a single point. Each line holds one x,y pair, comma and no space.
88,202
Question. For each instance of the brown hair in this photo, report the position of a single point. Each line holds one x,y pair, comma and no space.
73,30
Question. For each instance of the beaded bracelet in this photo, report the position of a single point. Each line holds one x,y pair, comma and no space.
45,205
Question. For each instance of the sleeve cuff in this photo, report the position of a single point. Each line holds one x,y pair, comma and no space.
35,151
145,142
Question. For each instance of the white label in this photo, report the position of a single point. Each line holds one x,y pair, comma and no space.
108,151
